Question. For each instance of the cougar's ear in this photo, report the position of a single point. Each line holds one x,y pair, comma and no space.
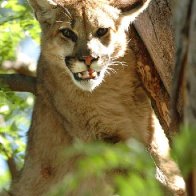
44,10
130,9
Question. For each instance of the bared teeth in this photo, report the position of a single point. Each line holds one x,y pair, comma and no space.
79,75
94,74
87,74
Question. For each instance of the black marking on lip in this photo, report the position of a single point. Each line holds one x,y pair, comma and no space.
68,60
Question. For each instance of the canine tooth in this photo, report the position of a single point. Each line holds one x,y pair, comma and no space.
94,74
85,74
79,75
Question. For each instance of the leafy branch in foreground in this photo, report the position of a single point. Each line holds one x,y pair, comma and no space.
129,165
133,169
184,149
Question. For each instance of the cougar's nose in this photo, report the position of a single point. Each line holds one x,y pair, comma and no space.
87,59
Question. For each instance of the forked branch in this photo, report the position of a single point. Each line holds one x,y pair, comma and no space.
12,167
11,163
18,82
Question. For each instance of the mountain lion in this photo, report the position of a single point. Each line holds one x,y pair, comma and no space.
87,89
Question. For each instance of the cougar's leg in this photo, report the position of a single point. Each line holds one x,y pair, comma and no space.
167,172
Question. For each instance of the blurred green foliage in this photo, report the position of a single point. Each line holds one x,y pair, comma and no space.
136,169
17,22
130,166
15,113
184,149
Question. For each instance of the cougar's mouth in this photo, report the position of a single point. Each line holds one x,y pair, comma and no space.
86,75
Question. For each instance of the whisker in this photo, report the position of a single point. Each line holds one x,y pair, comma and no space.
67,15
58,21
128,41
66,11
116,63
111,69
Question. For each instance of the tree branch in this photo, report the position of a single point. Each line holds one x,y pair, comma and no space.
12,167
11,163
19,67
18,82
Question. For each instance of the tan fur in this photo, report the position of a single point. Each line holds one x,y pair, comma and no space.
117,108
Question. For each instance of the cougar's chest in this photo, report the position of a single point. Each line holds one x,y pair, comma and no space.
95,123
104,115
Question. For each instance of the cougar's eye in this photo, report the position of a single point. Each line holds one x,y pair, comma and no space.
101,32
69,34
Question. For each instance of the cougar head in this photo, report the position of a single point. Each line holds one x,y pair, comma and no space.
85,37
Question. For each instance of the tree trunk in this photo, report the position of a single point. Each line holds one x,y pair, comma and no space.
168,31
157,33
185,33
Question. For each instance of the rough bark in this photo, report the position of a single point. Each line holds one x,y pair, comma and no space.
156,31
185,33
174,68
151,80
